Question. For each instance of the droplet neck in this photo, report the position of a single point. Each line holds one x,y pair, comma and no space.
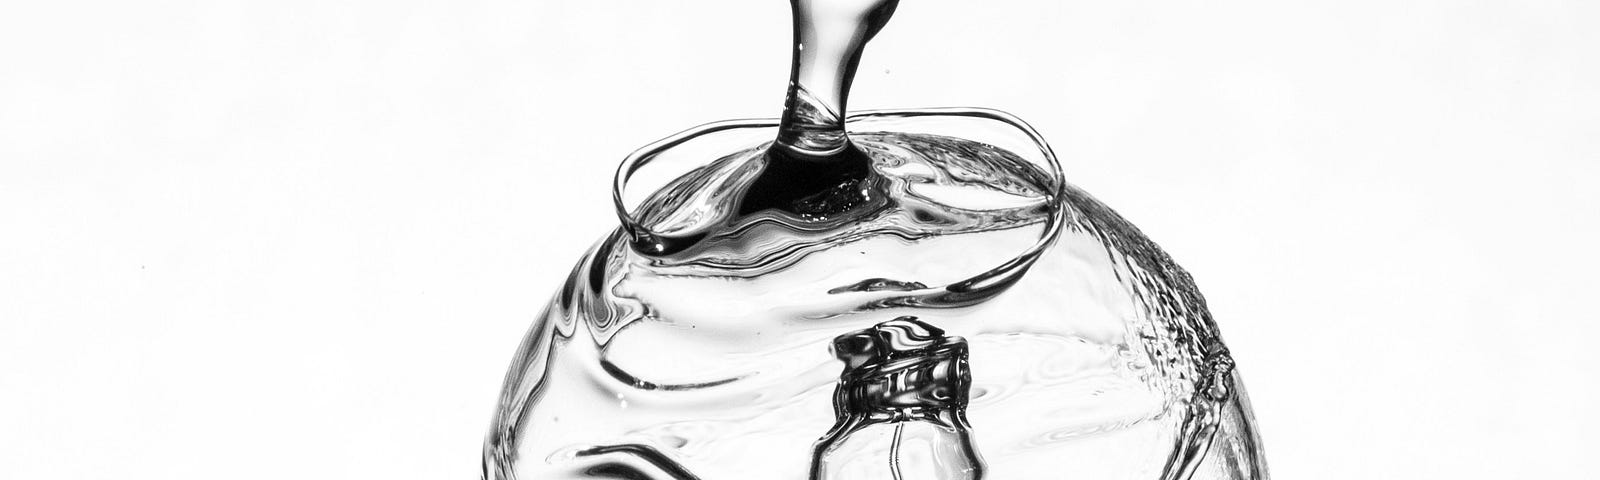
829,37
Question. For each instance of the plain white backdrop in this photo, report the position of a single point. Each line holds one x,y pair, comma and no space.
301,239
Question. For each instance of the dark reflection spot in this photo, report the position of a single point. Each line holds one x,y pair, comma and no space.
615,470
668,468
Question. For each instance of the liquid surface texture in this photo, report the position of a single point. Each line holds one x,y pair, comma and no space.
901,406
1090,352
899,295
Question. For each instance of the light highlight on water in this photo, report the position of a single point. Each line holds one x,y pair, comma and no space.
920,295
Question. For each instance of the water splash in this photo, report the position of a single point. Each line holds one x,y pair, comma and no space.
1091,352
693,343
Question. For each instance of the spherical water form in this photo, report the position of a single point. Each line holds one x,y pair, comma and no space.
940,304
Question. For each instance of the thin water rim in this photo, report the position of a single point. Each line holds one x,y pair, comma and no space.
997,276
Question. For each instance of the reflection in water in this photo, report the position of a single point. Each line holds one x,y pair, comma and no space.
694,342
1090,351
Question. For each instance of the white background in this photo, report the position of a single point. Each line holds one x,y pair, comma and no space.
300,239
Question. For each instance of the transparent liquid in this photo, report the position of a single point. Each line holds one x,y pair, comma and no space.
710,337
1096,357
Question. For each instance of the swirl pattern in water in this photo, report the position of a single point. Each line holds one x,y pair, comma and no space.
702,339
921,298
